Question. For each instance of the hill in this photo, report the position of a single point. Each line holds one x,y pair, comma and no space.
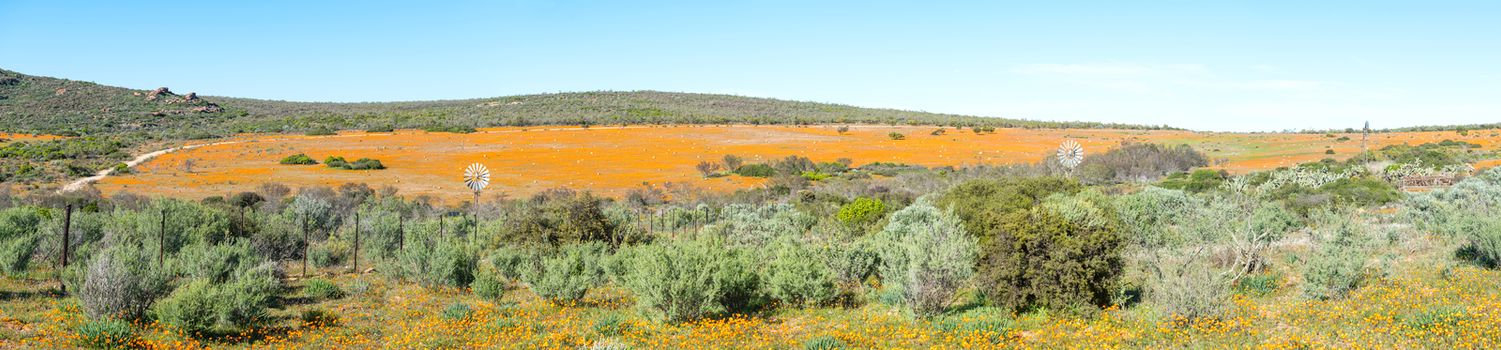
35,104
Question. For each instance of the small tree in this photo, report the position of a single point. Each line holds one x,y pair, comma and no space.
896,136
707,168
732,162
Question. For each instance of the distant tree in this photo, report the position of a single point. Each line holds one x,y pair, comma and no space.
843,129
733,162
896,136
707,168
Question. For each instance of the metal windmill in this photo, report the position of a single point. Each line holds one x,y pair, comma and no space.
1070,154
476,177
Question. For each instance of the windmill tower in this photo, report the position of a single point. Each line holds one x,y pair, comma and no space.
1365,133
476,177
1070,154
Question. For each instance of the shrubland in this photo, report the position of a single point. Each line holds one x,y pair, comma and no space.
1326,254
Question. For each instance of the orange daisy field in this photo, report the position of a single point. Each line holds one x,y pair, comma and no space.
613,160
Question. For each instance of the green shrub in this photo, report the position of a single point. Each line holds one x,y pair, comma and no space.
331,253
1362,191
1139,162
798,275
1337,265
216,263
443,263
755,170
1198,181
190,308
243,303
610,325
683,280
120,282
457,312
861,211
19,238
756,226
511,262
321,289
896,136
335,162
365,164
298,159
360,164
925,257
321,130
569,274
1442,317
824,343
488,285
318,318
1061,255
107,333
1257,285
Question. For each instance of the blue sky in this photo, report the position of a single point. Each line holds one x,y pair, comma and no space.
1206,65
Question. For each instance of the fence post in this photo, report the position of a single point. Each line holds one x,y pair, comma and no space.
356,264
161,242
63,259
307,241
401,232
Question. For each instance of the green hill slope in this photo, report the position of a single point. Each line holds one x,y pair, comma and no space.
33,104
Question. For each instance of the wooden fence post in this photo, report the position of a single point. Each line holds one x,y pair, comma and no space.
63,258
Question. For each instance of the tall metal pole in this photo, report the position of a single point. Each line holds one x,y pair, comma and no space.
474,229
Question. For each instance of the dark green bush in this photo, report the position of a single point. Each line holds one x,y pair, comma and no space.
298,159
896,136
1139,162
611,325
1053,256
1362,191
1198,181
985,205
755,170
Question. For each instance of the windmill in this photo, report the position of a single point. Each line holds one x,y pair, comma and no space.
476,177
1070,154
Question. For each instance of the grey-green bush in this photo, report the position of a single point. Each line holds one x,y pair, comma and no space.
488,285
190,308
446,262
570,273
685,280
244,302
18,238
120,282
798,275
927,257
1337,264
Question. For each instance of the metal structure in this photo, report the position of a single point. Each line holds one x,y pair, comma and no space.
1070,154
476,177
